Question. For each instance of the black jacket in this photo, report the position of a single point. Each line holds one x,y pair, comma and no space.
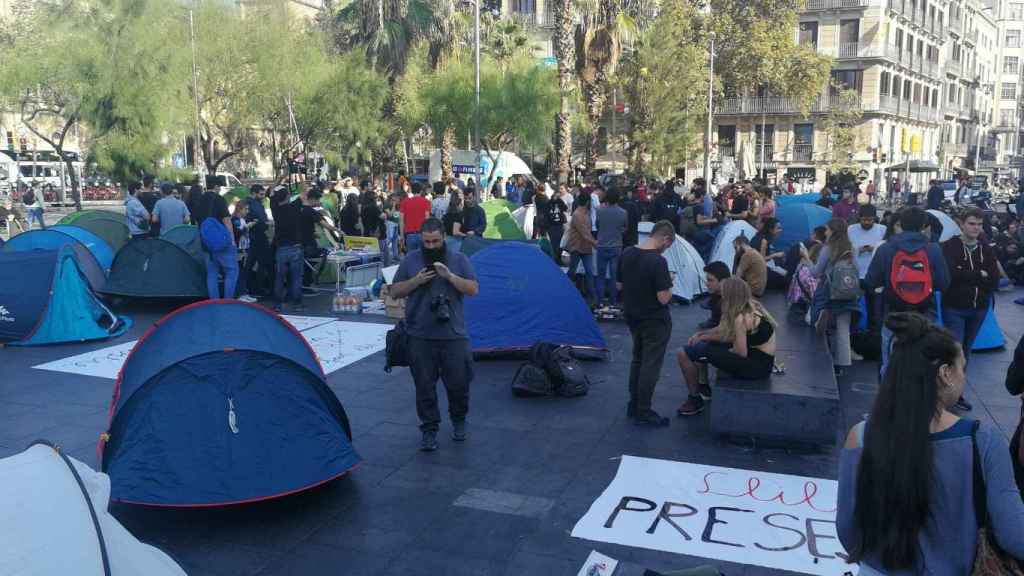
967,288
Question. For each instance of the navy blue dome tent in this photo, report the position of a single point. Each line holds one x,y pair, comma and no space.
94,256
45,298
524,299
156,268
203,415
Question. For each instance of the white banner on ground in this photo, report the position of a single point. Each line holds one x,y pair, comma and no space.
773,520
336,344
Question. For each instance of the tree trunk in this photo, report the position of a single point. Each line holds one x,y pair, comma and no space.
596,97
447,145
76,193
565,52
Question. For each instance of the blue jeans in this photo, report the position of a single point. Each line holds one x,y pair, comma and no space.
413,241
964,323
608,262
37,215
392,242
703,242
588,271
289,265
225,261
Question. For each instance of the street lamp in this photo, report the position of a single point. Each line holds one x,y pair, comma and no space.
476,95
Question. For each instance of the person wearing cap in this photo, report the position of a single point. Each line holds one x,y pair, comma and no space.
168,211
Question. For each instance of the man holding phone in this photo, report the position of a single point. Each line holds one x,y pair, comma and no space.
435,279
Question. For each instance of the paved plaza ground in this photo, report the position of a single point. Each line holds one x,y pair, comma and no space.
396,513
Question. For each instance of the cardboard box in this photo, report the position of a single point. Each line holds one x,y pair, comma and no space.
393,307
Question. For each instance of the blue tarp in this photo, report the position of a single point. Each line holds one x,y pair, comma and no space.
783,199
57,236
798,221
206,417
524,299
46,299
990,335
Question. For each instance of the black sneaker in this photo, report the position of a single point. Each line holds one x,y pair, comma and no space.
459,431
705,392
962,405
429,442
651,419
694,405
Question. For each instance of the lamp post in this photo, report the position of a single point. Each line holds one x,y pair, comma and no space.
711,117
195,93
476,95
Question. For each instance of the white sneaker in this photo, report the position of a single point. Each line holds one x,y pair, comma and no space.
247,298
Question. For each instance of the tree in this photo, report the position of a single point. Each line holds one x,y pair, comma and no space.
516,104
109,62
842,129
565,54
664,79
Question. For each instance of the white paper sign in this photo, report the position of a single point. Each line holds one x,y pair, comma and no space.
336,344
598,564
773,520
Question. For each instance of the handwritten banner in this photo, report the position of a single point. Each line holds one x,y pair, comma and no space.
772,520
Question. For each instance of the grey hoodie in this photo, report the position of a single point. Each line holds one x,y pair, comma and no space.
878,272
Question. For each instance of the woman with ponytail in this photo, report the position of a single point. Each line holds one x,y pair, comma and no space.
906,474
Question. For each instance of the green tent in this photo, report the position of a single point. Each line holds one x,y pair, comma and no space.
107,225
501,225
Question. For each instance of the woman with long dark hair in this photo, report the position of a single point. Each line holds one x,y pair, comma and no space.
835,315
453,221
349,218
770,230
906,474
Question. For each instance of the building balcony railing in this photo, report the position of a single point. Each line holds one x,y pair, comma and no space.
803,152
971,36
1006,125
953,67
535,20
835,4
776,105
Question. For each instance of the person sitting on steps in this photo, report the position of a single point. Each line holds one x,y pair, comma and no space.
747,328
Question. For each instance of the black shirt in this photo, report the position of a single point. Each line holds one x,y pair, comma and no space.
632,235
644,273
372,224
308,219
666,207
935,197
349,220
740,204
540,216
211,205
286,223
450,218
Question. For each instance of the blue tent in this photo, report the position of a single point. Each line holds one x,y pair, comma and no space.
57,236
990,335
45,298
786,199
524,299
211,417
798,220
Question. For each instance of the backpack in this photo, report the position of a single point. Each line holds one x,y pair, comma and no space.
396,347
910,277
844,280
531,381
212,232
564,371
28,198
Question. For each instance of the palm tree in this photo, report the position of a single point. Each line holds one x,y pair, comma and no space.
565,53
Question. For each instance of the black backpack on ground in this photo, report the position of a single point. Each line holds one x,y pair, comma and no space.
563,370
396,347
531,381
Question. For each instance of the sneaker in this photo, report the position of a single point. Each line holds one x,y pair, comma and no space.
651,419
694,405
459,431
856,357
962,405
247,298
429,442
705,392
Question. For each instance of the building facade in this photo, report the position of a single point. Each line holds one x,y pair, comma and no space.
923,72
1003,153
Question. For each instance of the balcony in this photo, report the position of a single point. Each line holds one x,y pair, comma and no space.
1006,125
534,20
803,152
813,5
775,105
972,37
956,24
953,67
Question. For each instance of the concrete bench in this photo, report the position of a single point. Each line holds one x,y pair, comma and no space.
797,409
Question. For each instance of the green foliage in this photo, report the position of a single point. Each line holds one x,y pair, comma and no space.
665,81
842,127
505,41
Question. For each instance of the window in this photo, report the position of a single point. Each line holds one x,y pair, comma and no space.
952,92
917,94
885,84
1013,38
847,79
910,44
920,48
726,141
1016,11
896,84
809,34
768,138
1006,118
803,147
1010,64
906,89
1009,91
935,98
899,40
522,6
849,31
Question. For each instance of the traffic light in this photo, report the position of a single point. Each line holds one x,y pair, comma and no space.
10,140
